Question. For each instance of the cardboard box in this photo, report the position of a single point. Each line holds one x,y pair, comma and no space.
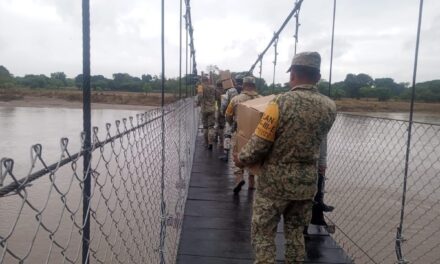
225,75
248,116
227,84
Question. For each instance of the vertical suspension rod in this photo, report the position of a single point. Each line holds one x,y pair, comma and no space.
186,56
275,45
331,50
162,179
399,236
87,146
180,50
297,24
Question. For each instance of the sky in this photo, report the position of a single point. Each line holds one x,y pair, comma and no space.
376,37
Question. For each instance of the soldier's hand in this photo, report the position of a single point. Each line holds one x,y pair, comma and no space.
237,160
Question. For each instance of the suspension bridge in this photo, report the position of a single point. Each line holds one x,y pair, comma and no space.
143,190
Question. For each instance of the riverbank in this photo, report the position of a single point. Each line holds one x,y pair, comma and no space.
73,99
353,105
125,100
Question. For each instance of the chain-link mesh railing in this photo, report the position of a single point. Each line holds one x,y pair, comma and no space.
41,214
366,176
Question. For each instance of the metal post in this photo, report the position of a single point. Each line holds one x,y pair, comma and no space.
162,179
186,58
87,131
331,51
399,236
180,51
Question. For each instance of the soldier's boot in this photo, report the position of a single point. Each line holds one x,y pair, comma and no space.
251,182
319,197
211,137
239,182
220,142
226,147
225,156
205,137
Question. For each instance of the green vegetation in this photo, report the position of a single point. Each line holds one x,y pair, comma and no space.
354,86
383,89
120,82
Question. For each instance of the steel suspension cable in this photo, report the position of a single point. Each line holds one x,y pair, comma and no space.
261,55
399,236
331,50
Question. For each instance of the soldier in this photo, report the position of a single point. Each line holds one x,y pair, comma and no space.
287,144
220,115
206,98
249,92
225,100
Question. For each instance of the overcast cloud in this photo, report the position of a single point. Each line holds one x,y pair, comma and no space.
375,37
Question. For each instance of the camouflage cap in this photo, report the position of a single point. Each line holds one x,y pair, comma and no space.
249,79
308,59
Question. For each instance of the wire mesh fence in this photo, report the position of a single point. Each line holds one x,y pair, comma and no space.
366,176
41,213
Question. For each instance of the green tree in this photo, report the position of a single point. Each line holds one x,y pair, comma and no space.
79,80
58,79
6,78
353,83
35,81
383,94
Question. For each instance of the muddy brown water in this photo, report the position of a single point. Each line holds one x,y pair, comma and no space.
364,184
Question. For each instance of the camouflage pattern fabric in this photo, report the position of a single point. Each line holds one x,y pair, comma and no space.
227,132
226,99
208,122
207,98
266,215
289,162
287,144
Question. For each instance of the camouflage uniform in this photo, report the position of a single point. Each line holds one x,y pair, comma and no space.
287,183
220,116
206,99
225,100
231,113
287,145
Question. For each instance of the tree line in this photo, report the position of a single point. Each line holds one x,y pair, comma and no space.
353,86
120,82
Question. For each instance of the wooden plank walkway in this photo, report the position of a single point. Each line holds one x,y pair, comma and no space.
216,226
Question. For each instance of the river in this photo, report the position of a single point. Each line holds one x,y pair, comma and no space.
24,126
21,127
